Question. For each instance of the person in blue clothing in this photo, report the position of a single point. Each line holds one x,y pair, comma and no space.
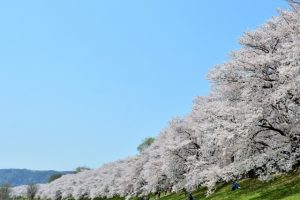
235,185
191,197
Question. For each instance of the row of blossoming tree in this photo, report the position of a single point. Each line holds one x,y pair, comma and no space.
248,126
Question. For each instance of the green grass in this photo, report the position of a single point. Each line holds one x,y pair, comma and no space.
286,187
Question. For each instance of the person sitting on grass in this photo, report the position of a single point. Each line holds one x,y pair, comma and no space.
235,185
191,197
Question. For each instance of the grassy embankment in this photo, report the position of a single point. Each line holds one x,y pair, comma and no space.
286,187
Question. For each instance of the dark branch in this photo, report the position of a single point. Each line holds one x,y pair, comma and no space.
275,46
266,124
262,47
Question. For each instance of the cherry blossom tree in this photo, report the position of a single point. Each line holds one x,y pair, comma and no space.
248,126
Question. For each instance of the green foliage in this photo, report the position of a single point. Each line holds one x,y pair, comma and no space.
100,198
145,144
69,198
84,197
5,190
58,195
20,198
81,168
113,198
54,177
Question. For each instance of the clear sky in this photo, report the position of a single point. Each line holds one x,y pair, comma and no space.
83,82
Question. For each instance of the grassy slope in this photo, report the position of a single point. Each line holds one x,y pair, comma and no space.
285,187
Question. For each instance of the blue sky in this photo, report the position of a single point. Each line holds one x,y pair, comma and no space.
83,82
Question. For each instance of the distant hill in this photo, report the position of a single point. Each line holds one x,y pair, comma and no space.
17,177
